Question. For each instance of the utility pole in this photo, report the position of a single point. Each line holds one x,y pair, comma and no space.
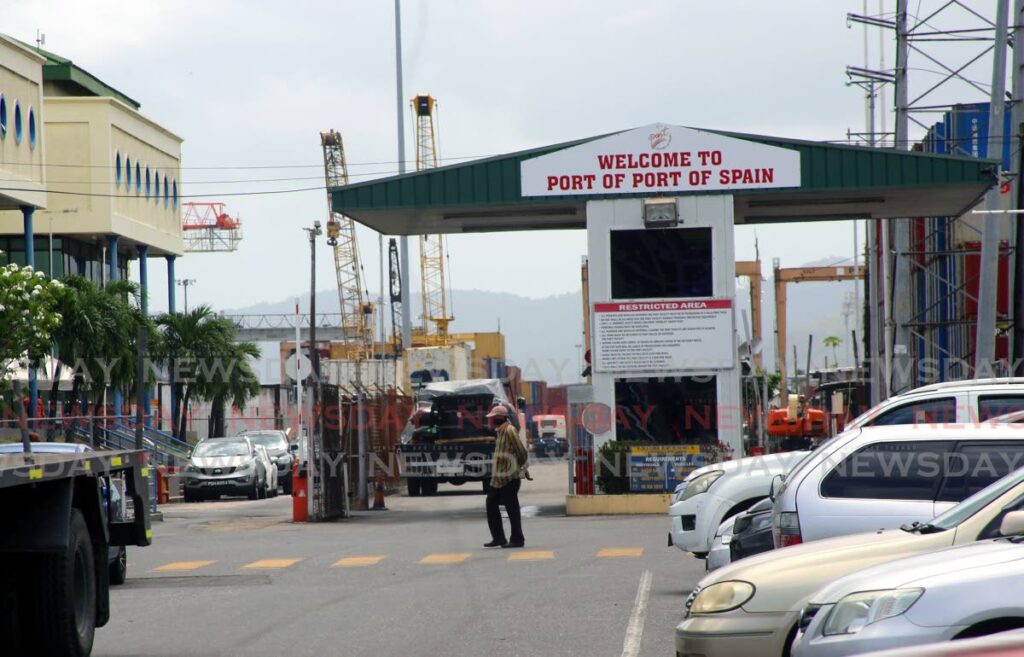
404,273
314,417
899,312
1016,72
985,337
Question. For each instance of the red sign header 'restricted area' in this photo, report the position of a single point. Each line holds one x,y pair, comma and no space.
662,306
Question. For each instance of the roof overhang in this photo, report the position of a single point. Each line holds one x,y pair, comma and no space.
835,182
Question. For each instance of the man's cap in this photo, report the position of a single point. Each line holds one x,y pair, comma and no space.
498,411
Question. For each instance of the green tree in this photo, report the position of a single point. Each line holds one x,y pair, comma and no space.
834,342
200,350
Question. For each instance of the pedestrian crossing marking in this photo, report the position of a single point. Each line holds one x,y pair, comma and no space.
446,557
270,564
536,555
611,553
353,562
182,566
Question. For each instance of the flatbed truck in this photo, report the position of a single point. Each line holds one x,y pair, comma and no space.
56,525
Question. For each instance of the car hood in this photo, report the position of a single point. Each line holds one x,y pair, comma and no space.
220,461
954,561
784,579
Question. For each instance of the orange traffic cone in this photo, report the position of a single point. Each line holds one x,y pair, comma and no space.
378,495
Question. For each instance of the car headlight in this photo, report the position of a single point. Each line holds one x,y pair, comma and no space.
699,485
243,467
858,610
191,469
723,596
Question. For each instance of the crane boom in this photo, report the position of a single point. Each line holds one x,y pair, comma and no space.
356,314
432,247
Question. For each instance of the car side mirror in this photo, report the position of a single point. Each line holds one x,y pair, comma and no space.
1013,524
773,490
293,447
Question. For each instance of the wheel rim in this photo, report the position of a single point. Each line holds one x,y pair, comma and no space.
122,560
80,593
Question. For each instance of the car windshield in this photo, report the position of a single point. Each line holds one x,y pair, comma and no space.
976,502
222,448
269,440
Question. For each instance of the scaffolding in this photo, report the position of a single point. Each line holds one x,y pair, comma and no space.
933,280
207,228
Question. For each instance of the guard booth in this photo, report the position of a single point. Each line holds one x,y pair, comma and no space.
659,204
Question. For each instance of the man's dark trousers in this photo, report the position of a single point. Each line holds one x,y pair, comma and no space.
507,496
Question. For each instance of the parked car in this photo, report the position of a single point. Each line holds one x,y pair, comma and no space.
224,466
960,592
117,555
951,402
269,467
277,446
719,555
1004,644
751,607
719,491
880,477
752,532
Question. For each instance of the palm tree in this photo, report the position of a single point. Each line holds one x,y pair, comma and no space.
199,347
834,342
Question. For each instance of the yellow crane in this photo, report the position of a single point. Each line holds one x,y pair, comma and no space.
432,247
356,313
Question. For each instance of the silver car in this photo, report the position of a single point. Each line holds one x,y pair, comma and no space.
278,448
224,466
719,555
956,593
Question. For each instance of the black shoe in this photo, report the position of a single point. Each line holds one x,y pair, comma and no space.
517,544
494,544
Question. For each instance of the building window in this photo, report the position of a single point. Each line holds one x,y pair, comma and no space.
174,194
128,172
167,198
156,185
117,167
149,183
138,177
17,121
3,117
31,128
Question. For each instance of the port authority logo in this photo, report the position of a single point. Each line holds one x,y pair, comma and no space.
661,138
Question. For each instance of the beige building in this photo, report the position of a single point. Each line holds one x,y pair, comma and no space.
105,178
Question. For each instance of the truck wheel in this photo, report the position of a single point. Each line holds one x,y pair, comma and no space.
429,488
414,486
64,621
119,568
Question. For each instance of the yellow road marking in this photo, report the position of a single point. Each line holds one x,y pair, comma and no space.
181,566
446,557
268,564
537,555
352,562
609,553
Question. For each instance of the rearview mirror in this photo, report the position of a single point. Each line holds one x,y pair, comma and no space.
1013,524
773,490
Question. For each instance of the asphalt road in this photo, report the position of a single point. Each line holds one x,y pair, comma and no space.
239,578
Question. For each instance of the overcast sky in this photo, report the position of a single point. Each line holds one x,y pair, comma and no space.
251,84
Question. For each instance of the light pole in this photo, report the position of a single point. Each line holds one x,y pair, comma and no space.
314,418
185,283
579,360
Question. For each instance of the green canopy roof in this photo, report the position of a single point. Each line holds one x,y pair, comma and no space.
837,182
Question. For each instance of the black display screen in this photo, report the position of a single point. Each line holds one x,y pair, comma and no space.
663,263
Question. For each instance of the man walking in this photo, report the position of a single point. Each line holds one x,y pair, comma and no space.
509,466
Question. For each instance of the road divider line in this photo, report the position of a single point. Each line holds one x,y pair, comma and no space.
614,553
182,566
271,564
536,555
446,558
355,562
635,629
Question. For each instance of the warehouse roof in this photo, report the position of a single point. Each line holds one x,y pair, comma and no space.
836,182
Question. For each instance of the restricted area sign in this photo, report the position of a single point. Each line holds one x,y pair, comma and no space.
660,158
659,468
670,335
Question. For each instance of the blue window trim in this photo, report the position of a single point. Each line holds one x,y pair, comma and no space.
17,122
128,172
31,127
149,183
118,171
156,186
3,117
138,177
174,193
167,198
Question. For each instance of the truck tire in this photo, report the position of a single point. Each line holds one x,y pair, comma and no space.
414,486
119,568
429,488
64,618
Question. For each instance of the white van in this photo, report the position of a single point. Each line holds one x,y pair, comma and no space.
881,477
952,402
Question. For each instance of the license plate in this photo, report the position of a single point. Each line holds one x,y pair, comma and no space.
451,469
211,483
